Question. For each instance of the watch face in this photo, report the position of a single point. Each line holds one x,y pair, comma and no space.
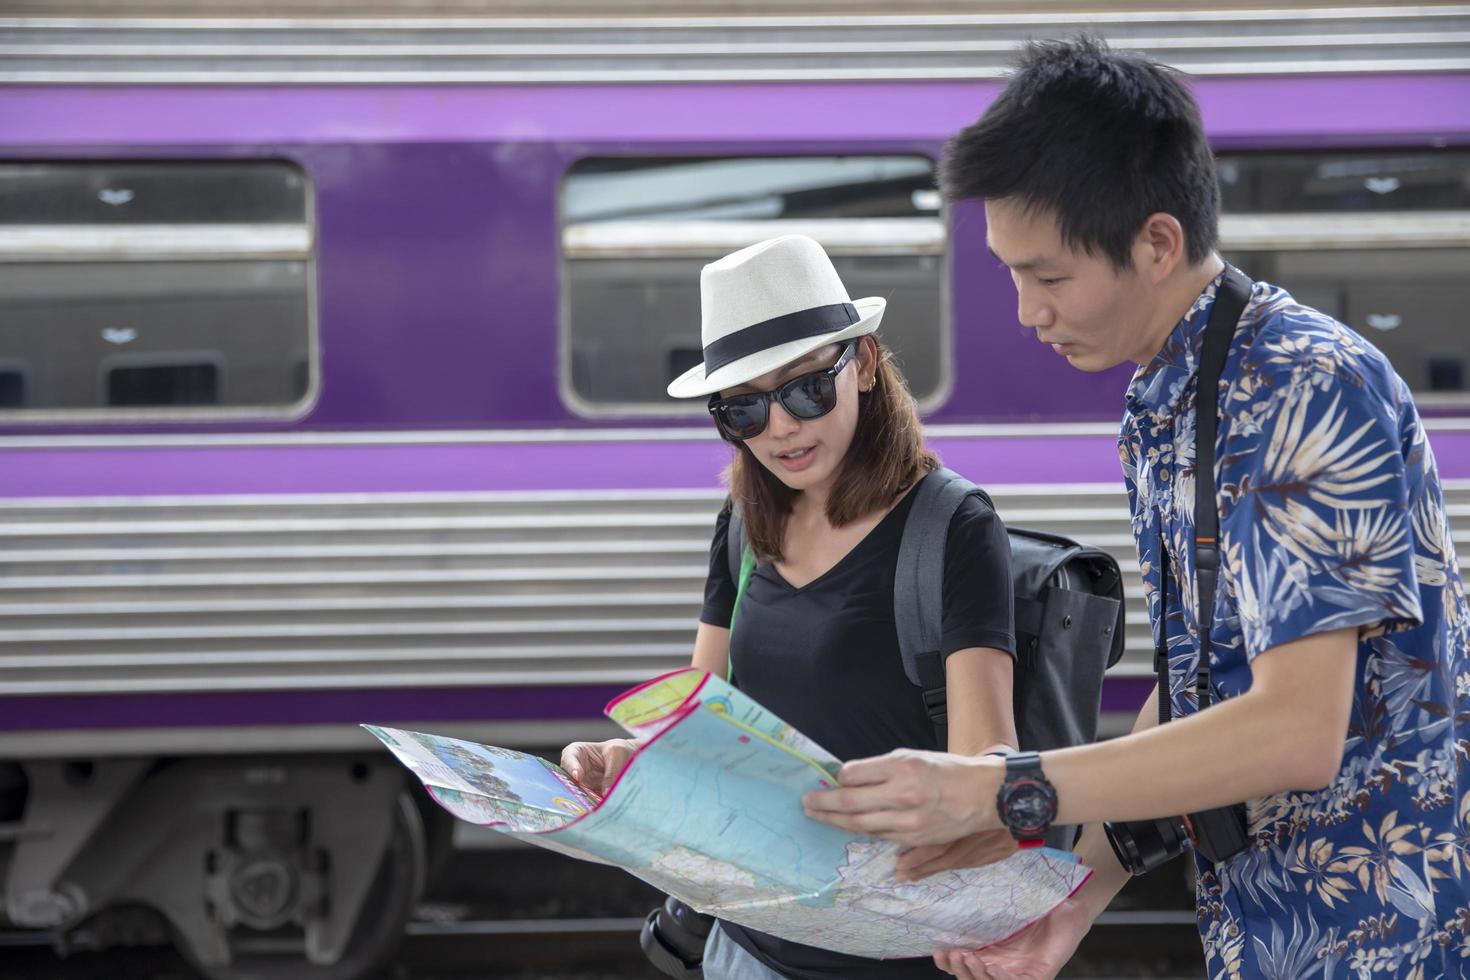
1029,807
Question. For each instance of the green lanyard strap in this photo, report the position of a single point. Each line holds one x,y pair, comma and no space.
747,568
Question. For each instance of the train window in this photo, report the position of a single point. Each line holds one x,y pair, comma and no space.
636,232
115,276
1350,182
1379,240
130,193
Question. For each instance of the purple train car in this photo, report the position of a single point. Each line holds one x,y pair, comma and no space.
332,357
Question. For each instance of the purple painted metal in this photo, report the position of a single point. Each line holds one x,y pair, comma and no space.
496,466
328,707
1302,109
338,707
662,465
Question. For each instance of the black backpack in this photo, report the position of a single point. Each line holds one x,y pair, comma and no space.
1068,613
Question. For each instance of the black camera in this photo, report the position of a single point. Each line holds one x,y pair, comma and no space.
1143,845
673,939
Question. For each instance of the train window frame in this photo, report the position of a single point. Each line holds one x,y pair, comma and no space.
690,409
292,242
1346,231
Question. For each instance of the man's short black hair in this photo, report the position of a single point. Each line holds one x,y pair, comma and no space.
1100,139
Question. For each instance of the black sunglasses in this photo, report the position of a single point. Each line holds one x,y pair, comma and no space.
807,396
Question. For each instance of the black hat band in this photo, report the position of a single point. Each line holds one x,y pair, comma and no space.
777,331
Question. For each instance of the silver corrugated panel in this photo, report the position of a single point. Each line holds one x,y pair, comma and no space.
311,592
1203,40
605,9
343,591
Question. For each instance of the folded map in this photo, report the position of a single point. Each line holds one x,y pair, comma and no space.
709,811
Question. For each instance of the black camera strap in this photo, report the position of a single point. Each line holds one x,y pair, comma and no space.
1230,302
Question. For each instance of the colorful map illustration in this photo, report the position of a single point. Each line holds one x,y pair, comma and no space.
709,811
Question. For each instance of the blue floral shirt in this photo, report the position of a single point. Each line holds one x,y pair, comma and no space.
1331,516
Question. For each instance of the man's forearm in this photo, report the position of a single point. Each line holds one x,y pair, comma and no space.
1219,758
1233,752
1286,732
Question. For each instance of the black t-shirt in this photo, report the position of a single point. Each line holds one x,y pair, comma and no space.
825,659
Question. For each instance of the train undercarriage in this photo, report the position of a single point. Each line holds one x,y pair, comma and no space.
287,868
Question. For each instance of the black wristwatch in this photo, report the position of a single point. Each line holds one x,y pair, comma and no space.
1027,803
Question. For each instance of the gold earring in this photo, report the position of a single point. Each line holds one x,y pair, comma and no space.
870,386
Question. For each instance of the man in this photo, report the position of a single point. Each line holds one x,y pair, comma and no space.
1340,684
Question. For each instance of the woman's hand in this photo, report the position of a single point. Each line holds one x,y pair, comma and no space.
973,851
1039,953
913,797
597,765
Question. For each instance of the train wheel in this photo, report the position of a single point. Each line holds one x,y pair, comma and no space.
395,890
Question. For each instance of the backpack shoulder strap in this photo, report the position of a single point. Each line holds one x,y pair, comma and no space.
742,567
918,587
735,547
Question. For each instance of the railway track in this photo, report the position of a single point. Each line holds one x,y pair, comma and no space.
1135,943
505,911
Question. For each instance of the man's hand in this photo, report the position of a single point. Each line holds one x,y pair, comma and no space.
973,851
1039,953
597,765
912,797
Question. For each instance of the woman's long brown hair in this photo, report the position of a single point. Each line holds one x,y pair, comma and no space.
887,456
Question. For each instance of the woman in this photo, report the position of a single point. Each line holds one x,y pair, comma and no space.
827,447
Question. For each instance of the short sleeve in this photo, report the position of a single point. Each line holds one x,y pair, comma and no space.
1315,520
719,591
977,582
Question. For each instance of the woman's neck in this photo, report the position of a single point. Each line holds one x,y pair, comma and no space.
810,505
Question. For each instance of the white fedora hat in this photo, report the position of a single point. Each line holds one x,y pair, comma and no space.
767,305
